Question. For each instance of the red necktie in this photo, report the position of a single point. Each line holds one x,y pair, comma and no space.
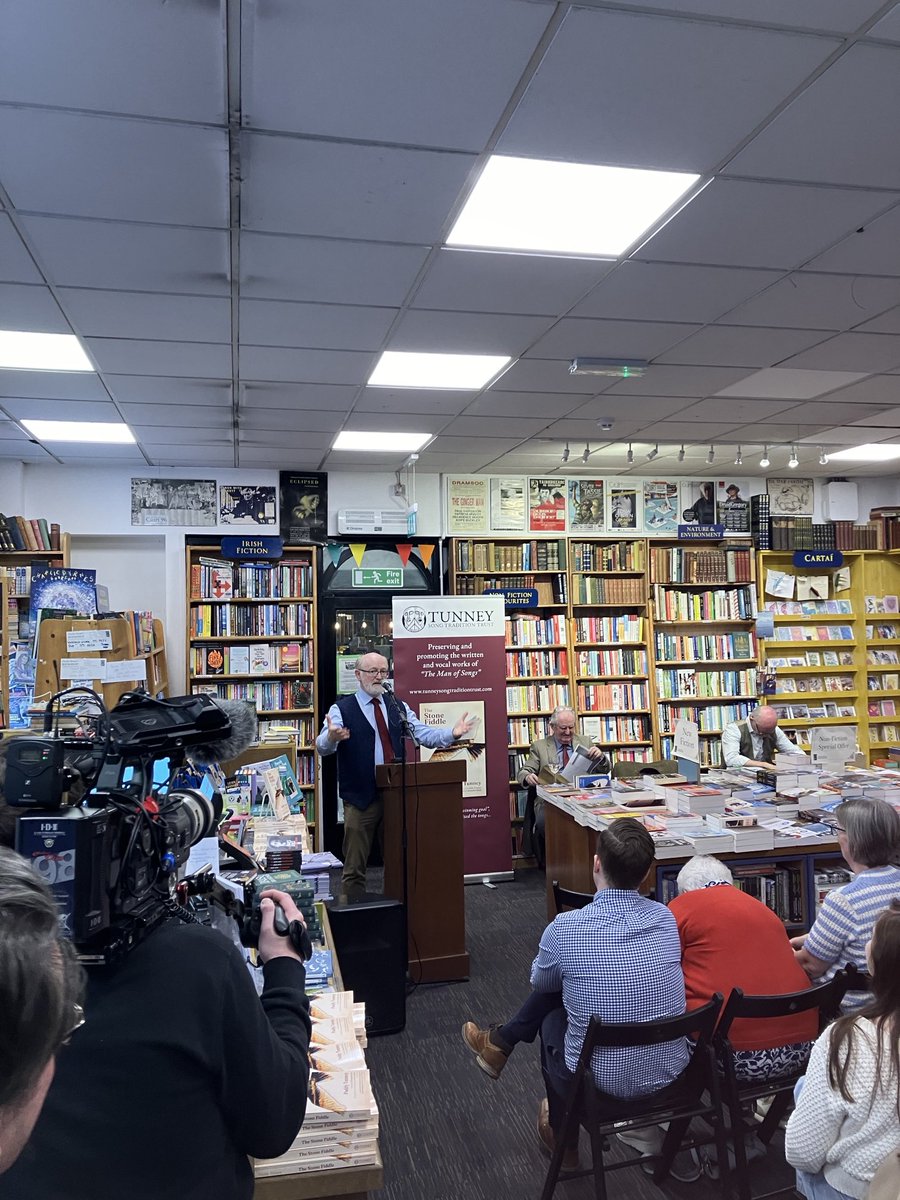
565,756
387,745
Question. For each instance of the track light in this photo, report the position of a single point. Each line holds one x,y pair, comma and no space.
711,456
629,457
823,457
565,453
681,454
651,454
793,461
587,453
739,458
764,461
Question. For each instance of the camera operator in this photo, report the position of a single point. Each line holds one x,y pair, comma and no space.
40,990
180,1072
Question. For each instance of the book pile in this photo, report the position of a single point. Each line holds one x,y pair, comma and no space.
25,533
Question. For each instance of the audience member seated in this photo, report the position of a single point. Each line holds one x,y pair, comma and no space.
845,1124
869,838
729,939
618,958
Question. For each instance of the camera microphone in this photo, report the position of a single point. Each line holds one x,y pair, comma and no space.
244,730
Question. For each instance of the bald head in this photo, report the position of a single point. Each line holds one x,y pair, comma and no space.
764,719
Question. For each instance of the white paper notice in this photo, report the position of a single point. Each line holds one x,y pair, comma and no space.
88,639
687,740
82,668
832,745
129,671
204,853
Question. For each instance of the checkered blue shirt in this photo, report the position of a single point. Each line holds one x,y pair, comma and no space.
619,958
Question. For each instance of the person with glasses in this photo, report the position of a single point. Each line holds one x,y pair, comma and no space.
753,741
364,731
41,986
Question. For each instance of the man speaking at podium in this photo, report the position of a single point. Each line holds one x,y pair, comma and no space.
364,730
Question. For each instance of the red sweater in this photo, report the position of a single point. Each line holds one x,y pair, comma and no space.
728,940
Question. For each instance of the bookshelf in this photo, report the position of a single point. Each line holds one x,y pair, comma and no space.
609,623
133,641
704,646
880,622
252,636
15,569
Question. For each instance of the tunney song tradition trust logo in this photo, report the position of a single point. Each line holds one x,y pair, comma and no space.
414,620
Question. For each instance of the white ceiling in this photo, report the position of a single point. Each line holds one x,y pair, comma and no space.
238,204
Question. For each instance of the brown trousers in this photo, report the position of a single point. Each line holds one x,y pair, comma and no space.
361,827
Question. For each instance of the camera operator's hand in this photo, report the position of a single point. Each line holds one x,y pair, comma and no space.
272,944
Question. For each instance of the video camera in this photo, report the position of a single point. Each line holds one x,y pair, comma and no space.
111,856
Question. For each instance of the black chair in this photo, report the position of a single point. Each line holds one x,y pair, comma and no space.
696,1095
565,899
736,1093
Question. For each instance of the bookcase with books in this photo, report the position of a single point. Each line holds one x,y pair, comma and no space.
251,636
705,653
134,656
610,662
814,655
881,619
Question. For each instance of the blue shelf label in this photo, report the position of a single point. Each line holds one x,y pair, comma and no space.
515,597
252,547
818,558
701,533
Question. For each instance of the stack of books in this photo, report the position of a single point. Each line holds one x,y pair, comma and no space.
759,521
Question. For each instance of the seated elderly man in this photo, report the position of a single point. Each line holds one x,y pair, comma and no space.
730,939
869,837
753,741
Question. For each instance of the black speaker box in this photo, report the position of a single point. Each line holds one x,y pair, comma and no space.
369,941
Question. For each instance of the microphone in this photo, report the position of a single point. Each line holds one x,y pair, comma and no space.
386,687
242,735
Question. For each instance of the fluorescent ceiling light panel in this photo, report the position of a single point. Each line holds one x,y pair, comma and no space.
401,443
462,372
42,352
870,452
110,432
529,204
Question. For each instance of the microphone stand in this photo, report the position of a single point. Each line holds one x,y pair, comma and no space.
407,732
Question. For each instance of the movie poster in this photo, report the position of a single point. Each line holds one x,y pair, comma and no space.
173,502
733,504
508,503
661,514
698,501
547,505
303,502
587,513
246,505
467,505
623,508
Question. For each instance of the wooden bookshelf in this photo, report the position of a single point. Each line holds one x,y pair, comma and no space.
251,635
148,667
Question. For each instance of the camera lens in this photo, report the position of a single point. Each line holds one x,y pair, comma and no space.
192,816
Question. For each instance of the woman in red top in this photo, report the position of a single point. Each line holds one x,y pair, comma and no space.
728,940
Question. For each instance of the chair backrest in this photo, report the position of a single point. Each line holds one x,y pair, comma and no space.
826,997
633,770
698,1024
563,898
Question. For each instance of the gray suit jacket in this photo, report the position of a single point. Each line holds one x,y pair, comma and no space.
543,756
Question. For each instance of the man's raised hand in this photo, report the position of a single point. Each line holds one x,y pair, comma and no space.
463,726
336,733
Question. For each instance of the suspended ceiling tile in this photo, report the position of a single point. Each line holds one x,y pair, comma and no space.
327,271
162,60
121,356
277,459
324,326
401,400
60,410
479,427
389,422
307,366
835,16
489,446
326,189
82,452
16,264
466,333
293,439
837,129
219,455
746,410
877,389
864,352
887,417
348,71
745,223
651,291
851,435
772,434
364,461
310,419
888,28
641,408
186,416
578,336
888,322
522,404
30,308
677,431
141,389
811,301
826,412
679,381
306,396
200,435
546,375
148,315
115,168
150,258
15,450
740,346
657,92
869,248
508,283
52,385
436,463
785,383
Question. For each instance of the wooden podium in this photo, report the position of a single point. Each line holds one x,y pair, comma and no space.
437,914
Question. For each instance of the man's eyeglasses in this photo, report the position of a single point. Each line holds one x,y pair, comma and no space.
373,671
78,1021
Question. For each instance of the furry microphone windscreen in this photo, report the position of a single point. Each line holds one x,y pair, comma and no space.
242,736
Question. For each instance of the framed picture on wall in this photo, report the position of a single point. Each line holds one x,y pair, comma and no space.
508,503
733,505
623,508
303,506
661,507
587,511
790,497
249,505
698,502
547,505
467,504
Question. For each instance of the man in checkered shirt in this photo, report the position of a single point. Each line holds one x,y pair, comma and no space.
619,958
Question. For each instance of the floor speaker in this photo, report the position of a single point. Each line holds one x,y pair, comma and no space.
369,937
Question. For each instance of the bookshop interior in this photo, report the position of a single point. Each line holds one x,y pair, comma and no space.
449,599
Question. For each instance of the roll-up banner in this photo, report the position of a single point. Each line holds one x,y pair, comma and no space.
450,659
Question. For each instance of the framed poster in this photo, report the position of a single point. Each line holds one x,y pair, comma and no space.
304,506
790,497
246,505
623,507
466,505
587,511
173,502
698,502
661,507
733,504
508,503
547,505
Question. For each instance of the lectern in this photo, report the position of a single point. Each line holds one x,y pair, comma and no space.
436,917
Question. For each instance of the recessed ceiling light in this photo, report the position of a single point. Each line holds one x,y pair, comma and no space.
111,432
462,372
42,352
402,443
517,202
869,452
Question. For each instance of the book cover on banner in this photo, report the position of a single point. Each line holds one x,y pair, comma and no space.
70,588
470,751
